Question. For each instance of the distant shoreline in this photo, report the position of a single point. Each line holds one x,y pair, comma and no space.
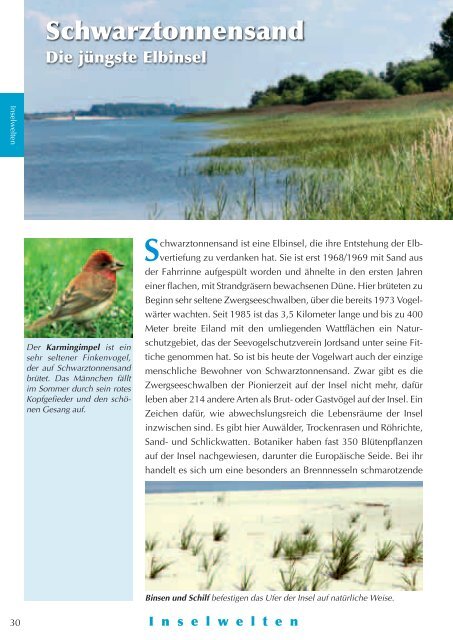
118,110
71,119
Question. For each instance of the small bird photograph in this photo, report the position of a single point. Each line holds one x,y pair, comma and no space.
78,287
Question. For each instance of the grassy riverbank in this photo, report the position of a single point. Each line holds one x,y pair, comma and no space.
367,159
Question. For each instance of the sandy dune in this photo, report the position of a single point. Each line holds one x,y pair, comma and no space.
256,518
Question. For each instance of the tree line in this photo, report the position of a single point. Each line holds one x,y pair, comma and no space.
433,73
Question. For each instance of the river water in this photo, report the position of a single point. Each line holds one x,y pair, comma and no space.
130,169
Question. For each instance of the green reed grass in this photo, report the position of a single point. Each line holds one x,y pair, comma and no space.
388,161
221,168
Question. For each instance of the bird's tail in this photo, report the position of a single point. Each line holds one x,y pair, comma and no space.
39,323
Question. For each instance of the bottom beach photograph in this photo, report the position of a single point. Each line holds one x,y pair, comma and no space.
283,536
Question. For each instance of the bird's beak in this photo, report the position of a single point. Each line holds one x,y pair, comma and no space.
117,265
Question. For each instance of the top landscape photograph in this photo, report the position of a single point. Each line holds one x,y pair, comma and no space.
326,110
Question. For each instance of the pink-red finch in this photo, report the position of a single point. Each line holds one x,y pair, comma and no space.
88,295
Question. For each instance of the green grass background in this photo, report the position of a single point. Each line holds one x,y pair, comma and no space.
50,264
329,135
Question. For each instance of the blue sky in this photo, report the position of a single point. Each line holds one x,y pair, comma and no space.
362,34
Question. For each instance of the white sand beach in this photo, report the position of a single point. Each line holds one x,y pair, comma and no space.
255,519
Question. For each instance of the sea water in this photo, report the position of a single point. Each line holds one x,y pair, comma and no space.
222,486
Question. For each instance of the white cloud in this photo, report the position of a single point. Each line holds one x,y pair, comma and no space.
341,6
400,16
41,19
313,5
440,10
138,7
272,14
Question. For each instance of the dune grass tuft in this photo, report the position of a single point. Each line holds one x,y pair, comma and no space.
300,546
319,577
151,543
409,582
278,545
219,531
384,550
291,581
210,575
156,567
187,535
317,580
307,529
368,570
196,547
413,549
247,579
344,554
210,560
